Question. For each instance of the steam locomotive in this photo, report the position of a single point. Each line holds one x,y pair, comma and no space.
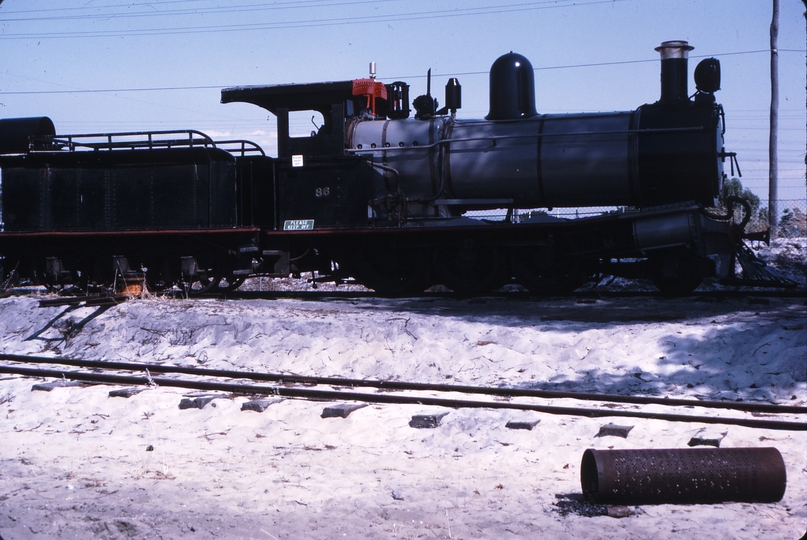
382,198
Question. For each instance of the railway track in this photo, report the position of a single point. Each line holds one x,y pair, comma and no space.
513,295
397,392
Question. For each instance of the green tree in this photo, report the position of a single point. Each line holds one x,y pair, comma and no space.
793,223
734,188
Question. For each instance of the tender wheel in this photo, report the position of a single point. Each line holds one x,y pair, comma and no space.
468,269
203,282
392,269
535,270
231,283
159,273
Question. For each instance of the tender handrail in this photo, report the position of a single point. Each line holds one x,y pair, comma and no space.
113,141
245,147
132,140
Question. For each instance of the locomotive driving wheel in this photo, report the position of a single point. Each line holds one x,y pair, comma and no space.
392,269
536,270
470,269
676,276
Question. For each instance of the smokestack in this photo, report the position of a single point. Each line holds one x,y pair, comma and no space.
674,56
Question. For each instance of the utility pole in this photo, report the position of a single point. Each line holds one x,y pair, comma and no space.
805,101
773,142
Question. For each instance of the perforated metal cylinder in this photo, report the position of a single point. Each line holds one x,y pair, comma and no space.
683,476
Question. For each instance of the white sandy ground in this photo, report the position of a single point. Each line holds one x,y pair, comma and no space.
76,463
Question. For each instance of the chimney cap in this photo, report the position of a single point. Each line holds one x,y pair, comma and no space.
674,49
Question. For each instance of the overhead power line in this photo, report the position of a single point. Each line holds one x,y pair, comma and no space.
397,77
97,7
111,90
308,23
95,12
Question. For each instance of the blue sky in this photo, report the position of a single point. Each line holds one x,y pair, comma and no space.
113,65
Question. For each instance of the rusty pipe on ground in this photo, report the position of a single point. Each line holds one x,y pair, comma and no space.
683,476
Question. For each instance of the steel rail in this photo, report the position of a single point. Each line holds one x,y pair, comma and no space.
401,385
239,294
314,294
395,399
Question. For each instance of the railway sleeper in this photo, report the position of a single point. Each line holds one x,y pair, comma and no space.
423,421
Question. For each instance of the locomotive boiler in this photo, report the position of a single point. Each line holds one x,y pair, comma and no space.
664,153
381,196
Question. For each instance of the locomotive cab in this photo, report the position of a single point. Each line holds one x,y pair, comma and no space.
321,185
334,101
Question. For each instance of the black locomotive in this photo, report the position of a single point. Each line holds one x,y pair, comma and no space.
381,198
